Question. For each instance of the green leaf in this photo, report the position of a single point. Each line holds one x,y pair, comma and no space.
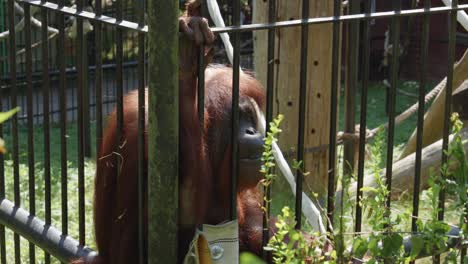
249,258
359,247
6,115
417,245
392,244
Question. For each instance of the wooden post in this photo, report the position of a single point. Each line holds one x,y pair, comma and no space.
163,131
286,98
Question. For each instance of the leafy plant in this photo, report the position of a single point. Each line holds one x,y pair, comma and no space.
268,159
3,117
290,245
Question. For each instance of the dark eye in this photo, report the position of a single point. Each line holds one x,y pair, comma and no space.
250,131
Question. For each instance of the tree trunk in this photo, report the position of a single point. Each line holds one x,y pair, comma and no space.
434,118
404,169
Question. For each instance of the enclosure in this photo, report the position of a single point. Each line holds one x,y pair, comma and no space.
68,64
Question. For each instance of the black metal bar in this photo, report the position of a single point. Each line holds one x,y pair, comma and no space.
63,123
86,97
98,77
448,99
46,118
80,70
38,232
366,38
14,127
344,18
351,89
333,113
87,15
201,77
235,109
259,26
448,107
421,110
395,33
269,116
31,172
302,109
142,180
119,98
2,192
201,86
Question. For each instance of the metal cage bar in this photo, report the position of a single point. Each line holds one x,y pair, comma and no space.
395,40
366,40
236,29
235,109
31,172
333,114
81,86
448,108
63,125
14,127
421,111
269,115
46,118
142,166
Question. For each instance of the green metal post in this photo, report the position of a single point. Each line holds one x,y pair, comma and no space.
163,130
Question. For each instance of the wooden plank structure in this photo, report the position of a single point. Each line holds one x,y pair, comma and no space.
287,82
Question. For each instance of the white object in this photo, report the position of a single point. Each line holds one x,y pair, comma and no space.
462,17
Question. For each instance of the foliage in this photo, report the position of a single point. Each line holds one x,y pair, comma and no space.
290,245
268,159
384,244
3,117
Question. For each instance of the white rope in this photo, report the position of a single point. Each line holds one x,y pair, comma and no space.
215,14
310,211
462,17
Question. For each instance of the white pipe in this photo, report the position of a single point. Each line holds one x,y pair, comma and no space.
310,211
462,17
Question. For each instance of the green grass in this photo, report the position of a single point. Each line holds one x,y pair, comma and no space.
72,177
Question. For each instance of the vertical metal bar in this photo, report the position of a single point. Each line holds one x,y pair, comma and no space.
98,78
269,114
63,122
421,110
201,79
86,99
448,97
163,149
80,70
333,114
366,37
14,127
448,106
46,118
2,185
395,30
351,88
235,109
141,136
119,95
31,173
302,109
